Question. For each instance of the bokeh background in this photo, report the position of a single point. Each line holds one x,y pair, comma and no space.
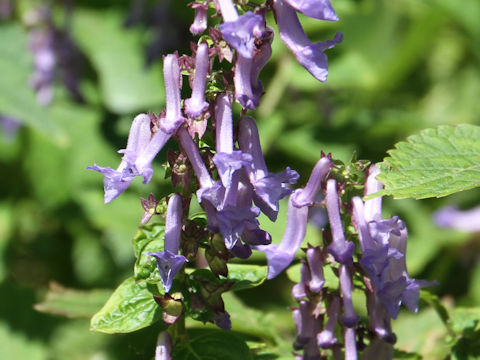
404,65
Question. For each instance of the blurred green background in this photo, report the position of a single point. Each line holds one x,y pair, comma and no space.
404,65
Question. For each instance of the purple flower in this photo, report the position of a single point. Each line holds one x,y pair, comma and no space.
315,264
137,159
350,344
453,218
269,188
304,322
243,83
326,339
299,291
241,32
222,320
341,249
379,318
349,318
172,79
318,9
279,256
163,350
309,55
196,105
200,21
260,58
168,262
307,195
232,221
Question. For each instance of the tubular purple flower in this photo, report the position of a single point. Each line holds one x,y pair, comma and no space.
227,9
269,188
299,291
171,74
350,344
379,319
168,262
243,83
163,350
318,9
226,159
240,33
137,160
453,218
341,249
173,224
305,327
260,59
349,318
306,196
315,265
373,207
326,339
196,105
279,256
191,149
309,55
199,24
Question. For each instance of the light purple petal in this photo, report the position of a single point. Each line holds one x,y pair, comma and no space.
306,196
240,34
196,105
168,265
318,9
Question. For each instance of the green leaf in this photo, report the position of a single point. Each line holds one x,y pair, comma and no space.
437,162
131,307
126,84
72,303
148,239
246,276
212,344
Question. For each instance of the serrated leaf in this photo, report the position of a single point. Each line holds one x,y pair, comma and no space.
72,303
435,163
212,344
131,307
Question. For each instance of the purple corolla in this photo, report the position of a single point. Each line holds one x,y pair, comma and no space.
318,9
279,256
168,261
269,188
309,55
196,105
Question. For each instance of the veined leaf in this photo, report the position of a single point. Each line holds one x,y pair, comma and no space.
131,307
435,163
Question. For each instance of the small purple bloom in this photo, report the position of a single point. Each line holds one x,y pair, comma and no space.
137,160
306,196
199,24
373,207
299,291
326,339
315,264
349,318
453,218
260,58
163,350
232,221
279,256
318,9
243,83
341,249
304,321
350,344
379,318
168,262
196,105
222,320
171,74
241,32
9,126
269,188
309,55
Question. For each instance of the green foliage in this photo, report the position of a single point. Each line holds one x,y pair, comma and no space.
131,307
148,239
212,344
72,303
126,84
435,163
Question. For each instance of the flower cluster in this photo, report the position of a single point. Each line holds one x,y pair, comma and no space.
380,263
